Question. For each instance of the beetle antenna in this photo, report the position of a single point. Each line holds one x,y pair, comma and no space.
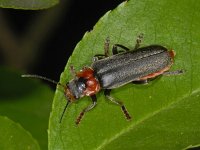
64,111
41,77
49,80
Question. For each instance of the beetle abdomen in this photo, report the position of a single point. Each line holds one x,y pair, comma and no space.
117,70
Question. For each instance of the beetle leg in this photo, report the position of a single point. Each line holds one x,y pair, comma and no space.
98,57
145,81
167,73
94,102
116,51
171,73
138,41
72,71
106,47
107,94
141,82
106,51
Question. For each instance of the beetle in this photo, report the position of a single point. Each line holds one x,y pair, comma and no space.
107,72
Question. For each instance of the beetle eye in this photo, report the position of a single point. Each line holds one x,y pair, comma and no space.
81,84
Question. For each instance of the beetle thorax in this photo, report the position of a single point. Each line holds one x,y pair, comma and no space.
92,85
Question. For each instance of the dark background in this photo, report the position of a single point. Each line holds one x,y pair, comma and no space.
76,17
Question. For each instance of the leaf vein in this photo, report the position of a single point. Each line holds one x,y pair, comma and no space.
131,127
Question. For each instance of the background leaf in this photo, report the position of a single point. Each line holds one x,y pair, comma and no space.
27,4
13,136
165,112
26,102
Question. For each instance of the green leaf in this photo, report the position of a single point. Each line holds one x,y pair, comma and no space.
28,4
14,137
165,112
27,102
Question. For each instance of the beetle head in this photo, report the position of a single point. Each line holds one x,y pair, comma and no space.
75,89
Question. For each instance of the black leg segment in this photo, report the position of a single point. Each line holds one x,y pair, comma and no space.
116,51
98,57
141,82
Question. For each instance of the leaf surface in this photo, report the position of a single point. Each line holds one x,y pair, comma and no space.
27,4
26,102
165,112
13,136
